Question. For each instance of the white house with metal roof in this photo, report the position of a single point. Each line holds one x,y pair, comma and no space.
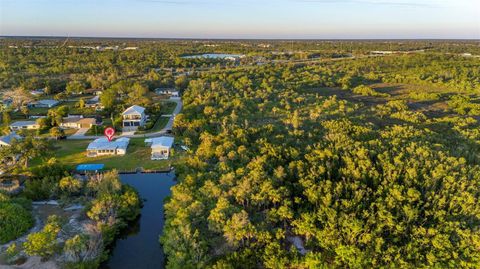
167,91
102,147
161,147
134,117
24,125
6,140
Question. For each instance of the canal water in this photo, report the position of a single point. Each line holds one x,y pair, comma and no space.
139,247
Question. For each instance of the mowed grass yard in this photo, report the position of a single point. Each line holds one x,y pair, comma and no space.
73,153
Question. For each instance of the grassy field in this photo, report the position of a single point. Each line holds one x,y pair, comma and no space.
72,153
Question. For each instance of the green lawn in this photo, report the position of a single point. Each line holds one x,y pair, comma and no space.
167,108
72,153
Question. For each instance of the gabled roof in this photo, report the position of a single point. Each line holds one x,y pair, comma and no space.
79,120
88,121
94,100
23,123
7,139
133,110
48,102
161,142
103,144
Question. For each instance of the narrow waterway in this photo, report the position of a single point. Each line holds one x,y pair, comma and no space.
139,247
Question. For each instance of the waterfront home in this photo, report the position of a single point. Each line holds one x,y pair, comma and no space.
24,125
161,147
102,147
48,103
78,122
134,117
6,140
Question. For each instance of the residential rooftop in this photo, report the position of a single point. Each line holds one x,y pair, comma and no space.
134,110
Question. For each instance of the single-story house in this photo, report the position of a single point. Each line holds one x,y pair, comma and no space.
24,125
94,91
38,92
94,103
134,117
78,122
6,140
166,91
102,147
48,103
161,147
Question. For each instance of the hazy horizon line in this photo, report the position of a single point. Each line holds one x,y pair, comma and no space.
226,38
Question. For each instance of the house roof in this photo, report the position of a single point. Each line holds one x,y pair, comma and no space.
134,110
88,121
7,139
94,100
103,144
23,123
161,142
71,120
48,102
92,90
79,120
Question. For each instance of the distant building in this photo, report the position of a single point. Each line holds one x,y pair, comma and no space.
24,125
102,147
134,117
94,91
95,103
78,122
38,92
161,147
6,140
166,91
48,103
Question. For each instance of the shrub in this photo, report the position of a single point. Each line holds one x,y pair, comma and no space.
44,243
423,96
15,220
367,91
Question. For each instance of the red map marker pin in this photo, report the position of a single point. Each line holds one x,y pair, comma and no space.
109,133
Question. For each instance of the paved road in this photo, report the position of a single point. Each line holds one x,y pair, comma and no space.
167,127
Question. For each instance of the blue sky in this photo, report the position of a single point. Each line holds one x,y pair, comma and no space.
243,18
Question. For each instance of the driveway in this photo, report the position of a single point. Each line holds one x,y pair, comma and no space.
80,133
127,133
